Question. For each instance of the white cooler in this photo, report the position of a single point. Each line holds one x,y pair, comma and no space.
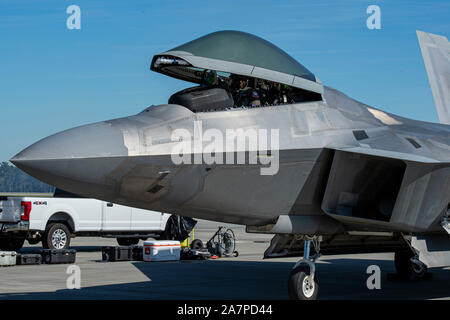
165,250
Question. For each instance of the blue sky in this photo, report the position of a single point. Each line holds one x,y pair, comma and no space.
52,78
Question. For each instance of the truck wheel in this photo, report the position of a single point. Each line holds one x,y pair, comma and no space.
11,244
57,236
127,241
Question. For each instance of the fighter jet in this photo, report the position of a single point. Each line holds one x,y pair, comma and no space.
261,141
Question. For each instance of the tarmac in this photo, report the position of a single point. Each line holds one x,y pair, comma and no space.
248,276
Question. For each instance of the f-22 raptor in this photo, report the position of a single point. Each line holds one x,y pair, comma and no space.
340,176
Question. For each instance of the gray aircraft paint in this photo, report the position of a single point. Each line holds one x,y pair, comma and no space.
122,160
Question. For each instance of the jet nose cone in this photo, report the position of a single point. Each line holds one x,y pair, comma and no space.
93,140
73,156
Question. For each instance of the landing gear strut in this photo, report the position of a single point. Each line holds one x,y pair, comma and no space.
302,284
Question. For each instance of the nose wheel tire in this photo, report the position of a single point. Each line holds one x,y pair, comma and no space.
301,285
57,237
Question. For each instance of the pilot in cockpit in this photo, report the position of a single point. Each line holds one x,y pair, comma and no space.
241,95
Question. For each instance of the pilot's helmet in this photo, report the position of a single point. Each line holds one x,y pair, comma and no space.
243,82
236,80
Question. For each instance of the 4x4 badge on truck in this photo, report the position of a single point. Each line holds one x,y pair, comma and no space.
40,203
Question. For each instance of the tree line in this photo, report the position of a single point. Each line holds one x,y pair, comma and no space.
12,179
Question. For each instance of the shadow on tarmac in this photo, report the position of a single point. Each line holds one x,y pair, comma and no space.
231,279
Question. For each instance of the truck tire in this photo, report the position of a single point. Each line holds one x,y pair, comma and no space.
57,236
11,244
127,241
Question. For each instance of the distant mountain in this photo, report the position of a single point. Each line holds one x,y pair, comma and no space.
12,179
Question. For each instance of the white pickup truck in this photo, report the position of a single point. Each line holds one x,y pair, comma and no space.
55,220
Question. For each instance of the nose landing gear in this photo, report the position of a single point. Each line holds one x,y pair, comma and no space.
302,284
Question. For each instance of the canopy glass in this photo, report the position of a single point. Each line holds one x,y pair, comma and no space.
237,53
245,48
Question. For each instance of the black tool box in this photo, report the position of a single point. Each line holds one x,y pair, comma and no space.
24,259
138,253
117,253
191,254
53,256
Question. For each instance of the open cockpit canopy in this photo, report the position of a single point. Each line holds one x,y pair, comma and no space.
224,58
